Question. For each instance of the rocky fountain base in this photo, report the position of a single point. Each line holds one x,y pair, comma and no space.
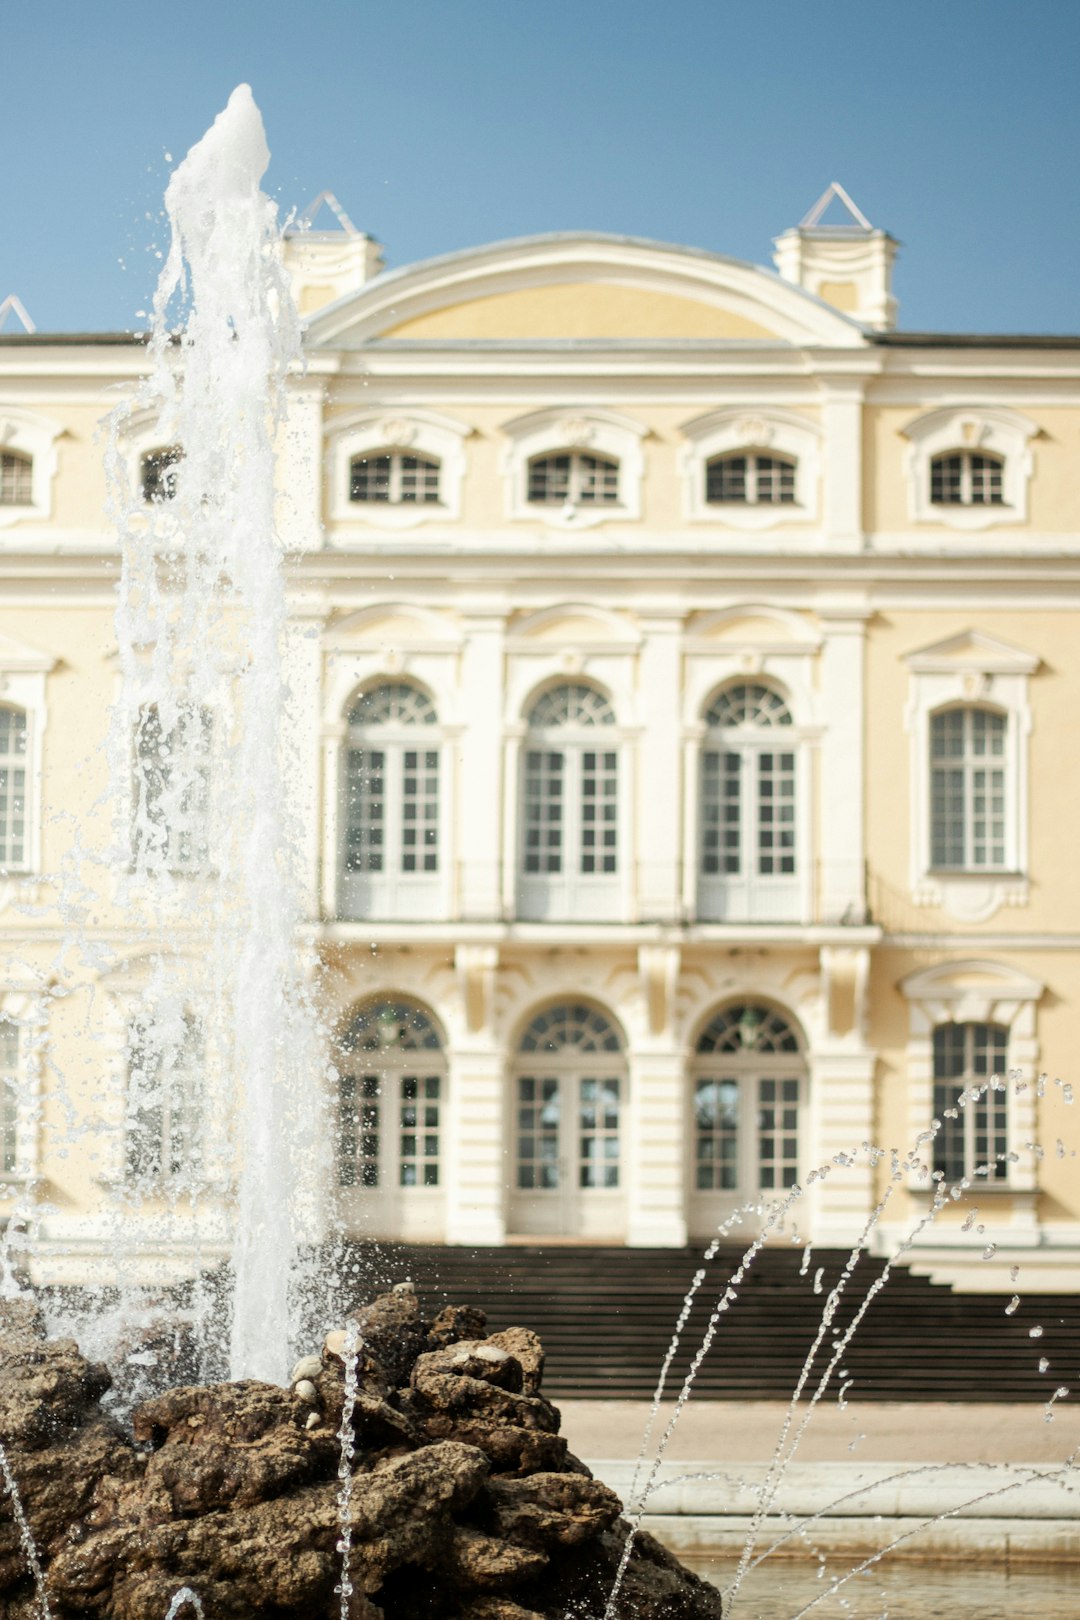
462,1501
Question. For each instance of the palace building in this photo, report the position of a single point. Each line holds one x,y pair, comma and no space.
685,664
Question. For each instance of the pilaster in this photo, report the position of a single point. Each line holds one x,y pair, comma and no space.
480,799
659,833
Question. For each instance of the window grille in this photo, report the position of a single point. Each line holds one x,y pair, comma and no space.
392,789
716,1135
748,1075
967,478
572,704
748,808
13,786
968,823
569,1101
390,1086
746,1027
570,796
750,479
16,479
575,478
165,1098
172,789
394,478
158,471
571,1027
974,1135
749,703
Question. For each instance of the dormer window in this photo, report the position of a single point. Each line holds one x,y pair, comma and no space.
394,478
16,479
157,473
574,478
967,478
750,479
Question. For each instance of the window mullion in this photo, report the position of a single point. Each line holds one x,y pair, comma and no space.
393,809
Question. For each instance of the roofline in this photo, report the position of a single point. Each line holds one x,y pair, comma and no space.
975,340
49,340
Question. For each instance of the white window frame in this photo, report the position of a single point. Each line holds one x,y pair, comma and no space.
409,432
593,432
26,1009
25,433
572,895
768,431
970,670
978,429
751,897
23,671
395,895
973,992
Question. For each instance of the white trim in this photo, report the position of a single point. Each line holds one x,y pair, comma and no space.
754,428
585,429
976,428
23,671
26,1007
409,431
970,670
25,433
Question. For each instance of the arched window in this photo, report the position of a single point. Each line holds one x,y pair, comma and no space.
570,806
391,1079
569,1092
573,478
748,808
747,1079
166,1098
971,1101
969,794
394,478
391,780
158,472
9,1096
172,790
967,478
13,786
750,478
16,479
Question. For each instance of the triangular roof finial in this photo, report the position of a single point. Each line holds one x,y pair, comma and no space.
859,220
13,305
305,221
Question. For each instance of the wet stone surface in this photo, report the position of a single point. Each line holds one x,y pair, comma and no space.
465,1503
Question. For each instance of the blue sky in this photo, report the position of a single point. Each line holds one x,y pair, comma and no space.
442,123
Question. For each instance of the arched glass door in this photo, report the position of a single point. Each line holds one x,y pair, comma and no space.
748,809
391,860
570,858
747,1085
568,1123
390,1120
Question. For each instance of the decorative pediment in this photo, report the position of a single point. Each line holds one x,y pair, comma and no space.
574,286
753,628
971,992
401,627
972,650
573,624
19,657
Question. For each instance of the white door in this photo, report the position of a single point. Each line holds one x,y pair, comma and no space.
391,1106
746,1098
568,1128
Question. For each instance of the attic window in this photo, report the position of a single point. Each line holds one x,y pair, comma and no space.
16,479
573,478
158,473
967,478
751,480
391,477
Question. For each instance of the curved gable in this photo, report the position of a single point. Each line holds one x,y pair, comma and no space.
570,287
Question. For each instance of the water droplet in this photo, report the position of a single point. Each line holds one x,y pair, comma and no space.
1044,1365
990,1250
1035,1333
1012,1305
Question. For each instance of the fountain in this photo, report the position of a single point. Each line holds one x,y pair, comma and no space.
409,1466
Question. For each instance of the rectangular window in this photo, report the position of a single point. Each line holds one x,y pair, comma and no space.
974,1135
968,790
599,812
716,1135
776,814
598,1122
539,1109
420,810
778,1134
13,739
418,1157
544,798
365,821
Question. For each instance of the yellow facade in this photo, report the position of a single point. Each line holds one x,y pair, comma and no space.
664,478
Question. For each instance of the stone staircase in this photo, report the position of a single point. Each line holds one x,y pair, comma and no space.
606,1316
